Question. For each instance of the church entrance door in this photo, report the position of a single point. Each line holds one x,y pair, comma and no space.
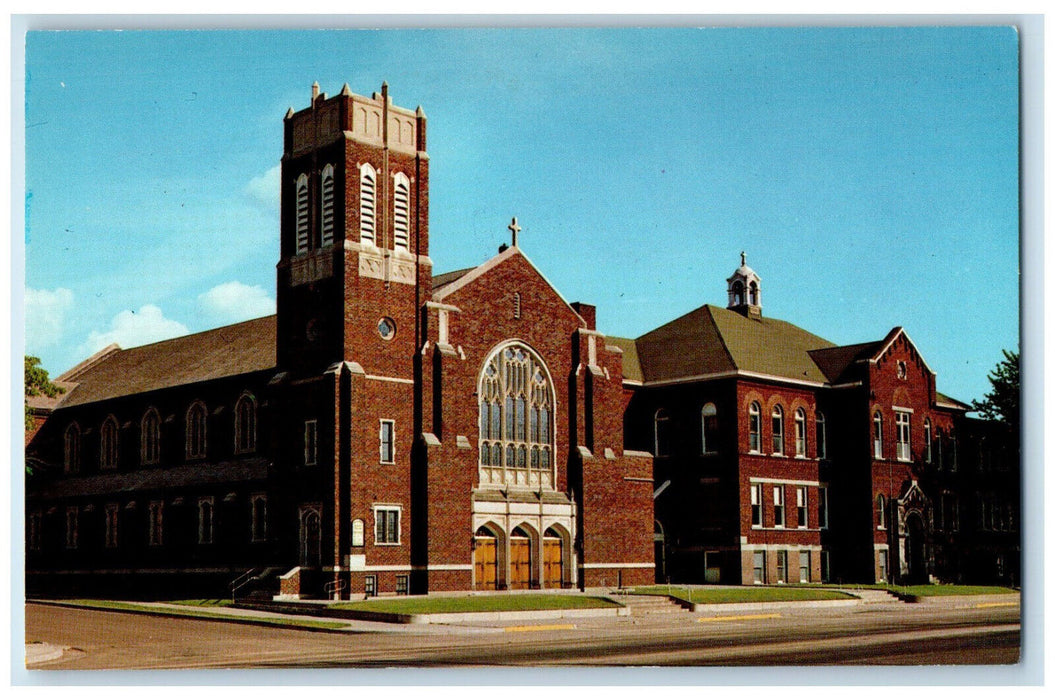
519,562
916,557
553,562
310,539
486,561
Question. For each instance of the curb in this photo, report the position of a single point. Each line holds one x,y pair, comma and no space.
438,618
775,605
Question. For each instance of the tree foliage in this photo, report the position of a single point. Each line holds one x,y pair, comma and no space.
1002,403
38,384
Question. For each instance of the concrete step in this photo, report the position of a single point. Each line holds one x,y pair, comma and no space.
874,596
651,605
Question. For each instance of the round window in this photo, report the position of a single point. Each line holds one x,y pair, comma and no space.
386,328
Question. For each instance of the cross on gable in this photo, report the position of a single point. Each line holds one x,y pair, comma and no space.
515,228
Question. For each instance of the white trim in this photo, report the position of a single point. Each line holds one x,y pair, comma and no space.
763,547
447,567
399,523
878,547
382,378
636,453
954,407
901,331
790,482
625,565
902,409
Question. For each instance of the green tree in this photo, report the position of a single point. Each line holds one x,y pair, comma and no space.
38,384
1002,403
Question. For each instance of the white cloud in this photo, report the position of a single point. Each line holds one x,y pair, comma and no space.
233,301
46,315
264,189
132,328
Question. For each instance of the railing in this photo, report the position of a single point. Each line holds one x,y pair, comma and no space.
333,589
241,581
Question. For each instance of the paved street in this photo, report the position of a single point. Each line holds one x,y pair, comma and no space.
959,632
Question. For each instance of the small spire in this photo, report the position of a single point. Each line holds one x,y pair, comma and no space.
314,90
289,113
346,91
743,258
515,228
420,112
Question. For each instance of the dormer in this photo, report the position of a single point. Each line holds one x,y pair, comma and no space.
745,290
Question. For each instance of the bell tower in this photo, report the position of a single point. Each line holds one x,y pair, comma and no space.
354,262
745,291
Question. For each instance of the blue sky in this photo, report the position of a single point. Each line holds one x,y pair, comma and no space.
870,174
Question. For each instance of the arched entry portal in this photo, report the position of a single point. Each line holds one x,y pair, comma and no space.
485,559
519,559
552,559
310,538
915,556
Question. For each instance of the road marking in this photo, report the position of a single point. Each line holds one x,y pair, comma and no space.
996,605
538,628
770,616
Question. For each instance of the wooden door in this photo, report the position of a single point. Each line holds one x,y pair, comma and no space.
486,560
553,563
519,562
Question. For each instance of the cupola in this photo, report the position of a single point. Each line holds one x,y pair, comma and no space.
745,290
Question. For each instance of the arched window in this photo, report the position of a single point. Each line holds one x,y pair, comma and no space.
753,293
881,512
927,454
71,459
367,203
196,425
401,211
822,436
302,214
150,438
709,428
205,520
108,444
327,206
800,433
516,420
877,435
754,421
661,434
245,424
738,293
778,430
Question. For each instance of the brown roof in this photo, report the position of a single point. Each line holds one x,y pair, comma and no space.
631,362
448,277
712,340
840,362
222,352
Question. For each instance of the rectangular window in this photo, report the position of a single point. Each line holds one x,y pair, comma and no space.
800,434
904,435
778,433
778,506
258,518
826,567
822,507
112,513
71,527
756,505
370,585
156,523
804,566
759,563
311,448
883,563
386,525
800,506
401,584
822,437
388,441
782,566
755,428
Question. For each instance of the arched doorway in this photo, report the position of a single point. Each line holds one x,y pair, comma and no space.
519,559
552,559
310,538
915,555
485,559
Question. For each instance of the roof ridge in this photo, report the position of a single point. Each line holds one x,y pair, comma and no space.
197,333
84,365
721,337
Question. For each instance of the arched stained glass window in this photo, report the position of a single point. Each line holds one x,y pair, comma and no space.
245,424
108,444
72,449
516,410
150,438
196,425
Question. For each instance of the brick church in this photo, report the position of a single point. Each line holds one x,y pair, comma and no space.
391,430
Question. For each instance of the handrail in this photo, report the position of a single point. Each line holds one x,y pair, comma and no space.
334,588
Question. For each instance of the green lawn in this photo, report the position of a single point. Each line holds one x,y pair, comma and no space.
938,589
478,603
747,594
204,615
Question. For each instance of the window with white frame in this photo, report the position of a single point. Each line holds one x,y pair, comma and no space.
756,505
205,520
370,585
311,444
327,206
150,438
401,211
881,512
800,433
113,513
804,566
822,507
388,441
72,526
877,435
822,436
108,443
197,420
156,524
754,423
801,507
302,214
709,428
386,524
778,430
516,420
358,535
71,461
902,421
258,518
367,204
245,424
782,566
928,455
778,506
884,566
758,563
661,424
